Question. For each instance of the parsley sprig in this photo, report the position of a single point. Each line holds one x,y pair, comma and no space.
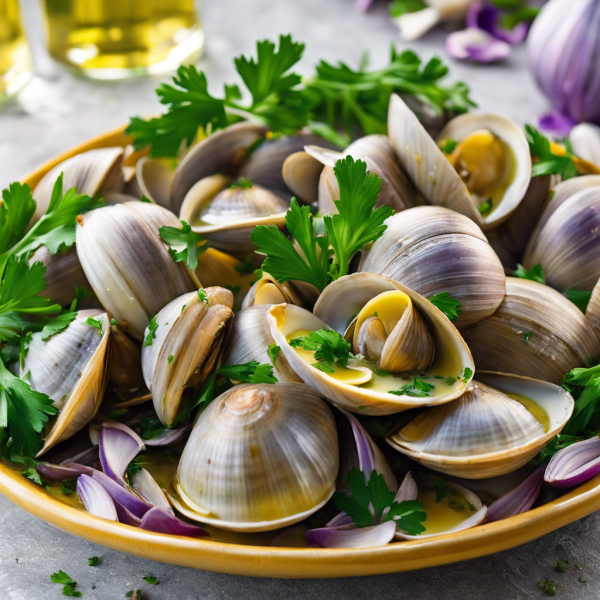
449,305
184,244
336,97
373,503
329,347
326,257
417,388
536,273
548,163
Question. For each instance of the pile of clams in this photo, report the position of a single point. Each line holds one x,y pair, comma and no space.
468,402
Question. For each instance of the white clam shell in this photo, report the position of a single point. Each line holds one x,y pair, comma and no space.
560,337
71,368
431,250
259,458
483,435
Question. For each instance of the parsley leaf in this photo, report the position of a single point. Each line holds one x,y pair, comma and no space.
329,347
32,474
372,503
69,584
150,427
273,352
94,561
402,7
241,182
245,267
250,372
57,325
96,323
548,587
151,579
357,224
485,208
449,305
549,163
203,297
69,486
580,298
275,101
534,274
16,209
417,389
152,327
183,244
449,146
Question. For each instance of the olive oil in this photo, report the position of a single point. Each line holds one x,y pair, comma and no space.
113,39
15,61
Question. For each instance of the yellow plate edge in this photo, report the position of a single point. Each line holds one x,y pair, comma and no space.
266,561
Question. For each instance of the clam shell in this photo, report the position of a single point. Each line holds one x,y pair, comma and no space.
90,172
336,307
71,368
396,189
428,168
125,369
485,434
560,339
154,177
585,141
431,250
512,134
301,173
568,245
185,348
128,266
267,290
223,151
259,458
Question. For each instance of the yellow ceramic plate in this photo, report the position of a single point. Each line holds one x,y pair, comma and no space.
266,561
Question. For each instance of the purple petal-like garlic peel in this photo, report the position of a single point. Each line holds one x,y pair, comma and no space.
519,499
145,485
122,495
574,464
486,16
162,520
52,472
476,45
408,490
359,537
95,498
118,445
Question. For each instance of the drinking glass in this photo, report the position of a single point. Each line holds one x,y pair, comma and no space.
15,60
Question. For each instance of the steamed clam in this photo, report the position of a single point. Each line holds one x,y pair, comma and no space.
71,368
427,350
259,458
486,175
495,427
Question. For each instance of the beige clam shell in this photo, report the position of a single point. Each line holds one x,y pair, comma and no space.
560,337
259,458
336,307
430,250
483,420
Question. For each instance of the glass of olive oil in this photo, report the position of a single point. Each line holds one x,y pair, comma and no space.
114,39
15,60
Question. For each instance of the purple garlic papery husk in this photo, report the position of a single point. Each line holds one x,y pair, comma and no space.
52,472
121,495
486,16
162,520
519,499
341,520
95,498
358,537
555,123
563,49
364,454
127,517
145,485
476,45
574,464
118,445
408,490
169,436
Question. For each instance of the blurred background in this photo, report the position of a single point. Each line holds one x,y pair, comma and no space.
92,64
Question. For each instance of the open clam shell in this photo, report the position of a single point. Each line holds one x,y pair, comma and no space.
226,214
432,250
181,351
535,330
568,244
336,308
127,264
487,431
154,177
224,151
71,368
259,458
90,172
267,290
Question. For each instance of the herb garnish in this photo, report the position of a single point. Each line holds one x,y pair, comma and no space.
548,587
373,503
562,565
357,224
184,244
418,388
548,162
69,486
57,325
449,146
534,274
152,327
329,347
580,298
273,352
151,579
203,297
96,323
449,305
69,584
94,561
485,208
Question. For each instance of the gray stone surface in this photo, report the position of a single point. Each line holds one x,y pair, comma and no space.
56,111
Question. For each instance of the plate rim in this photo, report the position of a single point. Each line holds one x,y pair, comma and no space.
276,562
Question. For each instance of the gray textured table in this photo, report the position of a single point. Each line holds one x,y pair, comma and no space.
56,111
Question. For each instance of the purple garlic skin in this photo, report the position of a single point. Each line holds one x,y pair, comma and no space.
563,47
574,464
